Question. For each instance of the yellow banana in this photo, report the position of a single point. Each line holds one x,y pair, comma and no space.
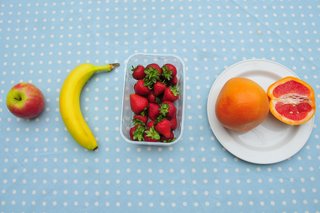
70,103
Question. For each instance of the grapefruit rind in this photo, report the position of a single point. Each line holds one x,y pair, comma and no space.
291,100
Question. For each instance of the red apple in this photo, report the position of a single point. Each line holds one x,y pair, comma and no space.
25,100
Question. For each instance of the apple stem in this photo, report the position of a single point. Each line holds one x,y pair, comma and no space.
18,98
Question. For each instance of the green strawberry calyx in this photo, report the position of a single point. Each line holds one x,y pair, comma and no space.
152,133
164,109
166,73
138,122
169,140
152,76
138,133
175,90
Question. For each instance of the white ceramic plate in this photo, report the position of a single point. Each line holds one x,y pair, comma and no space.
270,142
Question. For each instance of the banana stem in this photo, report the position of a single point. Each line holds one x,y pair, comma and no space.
107,67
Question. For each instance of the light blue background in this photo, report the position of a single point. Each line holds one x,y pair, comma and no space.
43,170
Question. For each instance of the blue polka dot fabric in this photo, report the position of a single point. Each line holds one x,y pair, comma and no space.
42,169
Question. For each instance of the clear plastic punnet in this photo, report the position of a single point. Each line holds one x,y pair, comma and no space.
129,81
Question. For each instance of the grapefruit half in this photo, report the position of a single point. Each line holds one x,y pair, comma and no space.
292,100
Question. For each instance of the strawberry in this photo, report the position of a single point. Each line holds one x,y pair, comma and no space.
164,128
138,103
158,88
153,73
152,98
153,111
174,123
140,88
140,119
169,139
149,139
137,132
150,124
171,94
138,72
154,66
169,71
168,109
151,135
174,80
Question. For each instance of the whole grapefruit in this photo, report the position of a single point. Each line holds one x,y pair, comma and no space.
242,104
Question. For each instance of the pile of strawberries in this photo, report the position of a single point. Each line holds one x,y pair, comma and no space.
153,105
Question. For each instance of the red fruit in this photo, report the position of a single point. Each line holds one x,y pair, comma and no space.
138,72
153,73
149,139
163,138
158,88
153,111
138,103
136,133
164,128
171,94
150,124
152,98
174,123
140,88
169,71
140,119
25,100
131,132
154,66
174,80
168,109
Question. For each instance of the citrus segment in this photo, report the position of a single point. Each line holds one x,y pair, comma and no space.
291,87
291,100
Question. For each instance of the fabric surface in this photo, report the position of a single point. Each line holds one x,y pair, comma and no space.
43,170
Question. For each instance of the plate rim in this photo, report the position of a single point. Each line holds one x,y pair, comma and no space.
211,99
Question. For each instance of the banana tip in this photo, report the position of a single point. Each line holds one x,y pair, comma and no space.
94,149
115,65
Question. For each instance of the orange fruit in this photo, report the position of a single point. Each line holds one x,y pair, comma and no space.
292,100
241,105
